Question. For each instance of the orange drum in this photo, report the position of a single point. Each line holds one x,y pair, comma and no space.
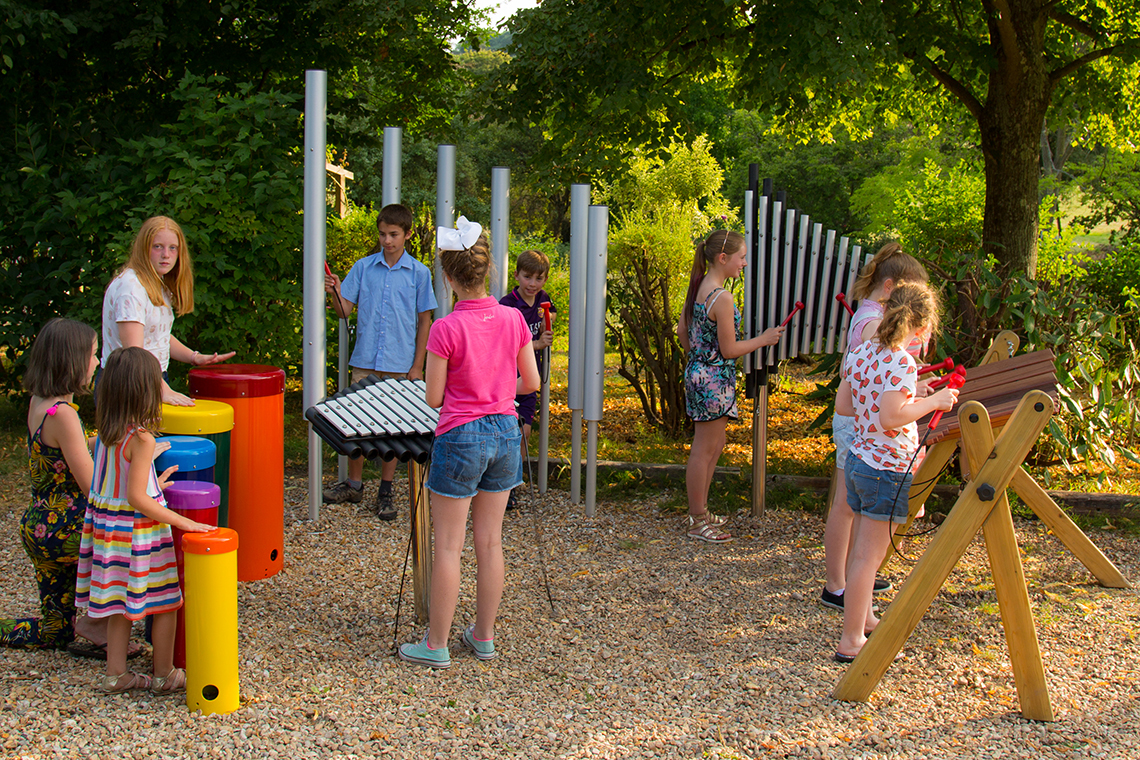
257,459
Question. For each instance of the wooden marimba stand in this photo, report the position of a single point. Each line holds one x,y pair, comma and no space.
982,504
420,513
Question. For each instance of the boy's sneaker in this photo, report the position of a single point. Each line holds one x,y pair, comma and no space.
484,650
422,654
384,507
882,586
342,492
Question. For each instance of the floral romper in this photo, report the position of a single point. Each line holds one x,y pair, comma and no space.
710,379
51,530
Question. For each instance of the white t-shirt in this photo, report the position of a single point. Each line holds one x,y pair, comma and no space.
126,301
872,371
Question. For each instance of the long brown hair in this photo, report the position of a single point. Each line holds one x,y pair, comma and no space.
129,394
718,242
910,306
890,263
179,281
59,359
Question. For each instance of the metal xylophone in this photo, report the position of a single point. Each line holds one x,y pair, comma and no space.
385,419
797,273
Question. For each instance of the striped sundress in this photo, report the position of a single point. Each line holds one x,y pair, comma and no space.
126,560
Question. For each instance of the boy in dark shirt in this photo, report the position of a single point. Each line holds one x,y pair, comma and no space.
531,271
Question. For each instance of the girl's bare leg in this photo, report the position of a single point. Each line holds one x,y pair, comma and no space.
708,443
870,539
837,536
449,527
162,634
118,635
487,525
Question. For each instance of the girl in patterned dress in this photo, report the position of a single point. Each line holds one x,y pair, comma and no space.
61,363
884,382
127,568
708,331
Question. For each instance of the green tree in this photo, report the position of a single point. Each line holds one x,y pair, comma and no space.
604,72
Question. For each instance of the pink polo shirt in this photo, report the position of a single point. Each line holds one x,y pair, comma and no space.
481,341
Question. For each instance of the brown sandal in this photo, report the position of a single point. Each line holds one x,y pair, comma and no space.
705,528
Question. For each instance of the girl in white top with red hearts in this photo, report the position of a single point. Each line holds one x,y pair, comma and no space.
884,380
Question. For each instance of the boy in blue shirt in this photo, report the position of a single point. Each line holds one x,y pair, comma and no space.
531,270
394,294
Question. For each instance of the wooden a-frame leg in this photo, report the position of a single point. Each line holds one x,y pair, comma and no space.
1067,531
1013,599
420,511
954,536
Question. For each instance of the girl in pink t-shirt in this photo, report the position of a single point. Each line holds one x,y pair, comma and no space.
479,358
883,378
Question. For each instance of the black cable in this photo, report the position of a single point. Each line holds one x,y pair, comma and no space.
537,526
416,506
898,491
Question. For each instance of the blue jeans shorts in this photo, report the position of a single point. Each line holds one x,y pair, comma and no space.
481,455
877,494
842,434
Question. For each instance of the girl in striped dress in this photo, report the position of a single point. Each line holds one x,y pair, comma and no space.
127,568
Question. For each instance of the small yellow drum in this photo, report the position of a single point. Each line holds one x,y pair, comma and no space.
211,621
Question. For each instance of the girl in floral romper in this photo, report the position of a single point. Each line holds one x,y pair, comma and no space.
708,331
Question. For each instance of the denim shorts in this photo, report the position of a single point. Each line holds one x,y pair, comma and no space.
842,434
877,494
481,455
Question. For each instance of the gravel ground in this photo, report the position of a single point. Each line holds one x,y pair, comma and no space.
658,647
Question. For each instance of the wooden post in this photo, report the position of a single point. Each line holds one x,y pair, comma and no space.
971,510
420,511
1009,585
340,177
760,448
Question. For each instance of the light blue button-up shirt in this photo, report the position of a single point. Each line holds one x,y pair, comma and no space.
388,302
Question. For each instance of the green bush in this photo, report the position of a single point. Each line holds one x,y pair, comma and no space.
226,169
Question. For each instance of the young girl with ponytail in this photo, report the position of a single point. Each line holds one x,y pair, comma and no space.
884,381
890,267
708,331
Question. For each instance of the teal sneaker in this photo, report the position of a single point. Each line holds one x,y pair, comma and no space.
422,654
484,650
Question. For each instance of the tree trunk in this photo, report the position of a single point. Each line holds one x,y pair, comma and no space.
1010,122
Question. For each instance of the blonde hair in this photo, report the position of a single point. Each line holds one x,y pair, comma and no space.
468,268
706,252
889,263
910,307
179,281
129,394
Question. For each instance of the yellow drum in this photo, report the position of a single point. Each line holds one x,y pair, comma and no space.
212,420
211,621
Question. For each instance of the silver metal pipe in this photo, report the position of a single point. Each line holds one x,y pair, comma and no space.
576,308
500,228
597,253
444,217
391,173
316,210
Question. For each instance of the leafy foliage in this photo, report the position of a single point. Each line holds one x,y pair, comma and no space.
661,209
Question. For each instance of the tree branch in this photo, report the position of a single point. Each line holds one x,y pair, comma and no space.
1059,74
952,85
1080,26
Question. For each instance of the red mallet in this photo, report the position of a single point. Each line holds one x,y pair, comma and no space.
799,306
327,270
546,306
955,379
945,364
842,298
